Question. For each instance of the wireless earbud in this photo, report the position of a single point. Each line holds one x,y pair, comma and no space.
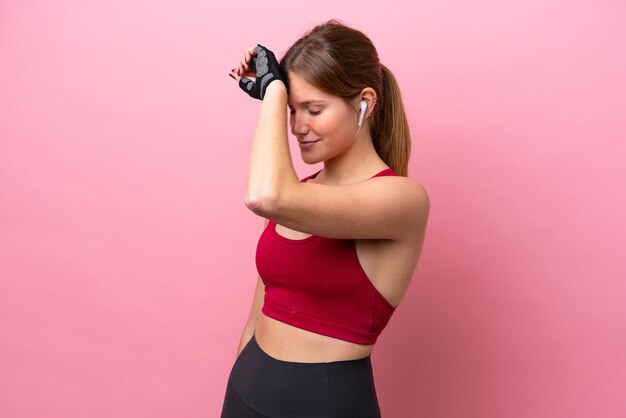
362,114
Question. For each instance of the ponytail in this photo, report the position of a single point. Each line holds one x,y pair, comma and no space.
390,131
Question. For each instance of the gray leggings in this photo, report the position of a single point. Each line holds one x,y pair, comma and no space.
260,386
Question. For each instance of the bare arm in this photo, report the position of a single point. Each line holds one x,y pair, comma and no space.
388,207
255,311
270,168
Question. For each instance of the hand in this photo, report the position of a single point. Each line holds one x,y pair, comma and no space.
261,63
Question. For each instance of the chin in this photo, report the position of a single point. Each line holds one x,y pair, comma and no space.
310,161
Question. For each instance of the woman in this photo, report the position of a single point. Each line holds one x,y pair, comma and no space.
342,244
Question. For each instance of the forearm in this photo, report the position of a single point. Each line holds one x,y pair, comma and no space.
270,169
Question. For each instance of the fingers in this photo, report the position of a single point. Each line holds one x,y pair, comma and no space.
250,52
244,64
246,58
234,74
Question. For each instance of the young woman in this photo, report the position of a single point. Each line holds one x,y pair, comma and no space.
340,246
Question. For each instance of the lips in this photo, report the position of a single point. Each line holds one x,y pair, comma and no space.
307,142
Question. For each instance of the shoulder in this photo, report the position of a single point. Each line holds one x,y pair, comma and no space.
404,188
412,197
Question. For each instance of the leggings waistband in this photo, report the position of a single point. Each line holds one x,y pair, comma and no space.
281,389
254,345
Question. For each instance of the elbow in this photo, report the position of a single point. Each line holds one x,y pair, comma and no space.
260,205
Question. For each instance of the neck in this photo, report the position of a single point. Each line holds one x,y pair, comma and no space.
353,165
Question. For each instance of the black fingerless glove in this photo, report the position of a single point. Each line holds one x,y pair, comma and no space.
267,69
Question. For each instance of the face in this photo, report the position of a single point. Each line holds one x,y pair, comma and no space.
318,116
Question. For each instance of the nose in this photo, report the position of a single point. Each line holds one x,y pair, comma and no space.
299,124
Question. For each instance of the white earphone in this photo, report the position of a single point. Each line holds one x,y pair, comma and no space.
362,114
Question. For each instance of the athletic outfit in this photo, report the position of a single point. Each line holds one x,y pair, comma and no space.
316,284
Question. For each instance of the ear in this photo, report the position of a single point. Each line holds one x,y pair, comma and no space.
369,95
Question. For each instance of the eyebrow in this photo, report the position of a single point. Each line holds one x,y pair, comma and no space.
306,102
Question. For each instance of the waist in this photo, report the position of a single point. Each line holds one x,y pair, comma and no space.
288,343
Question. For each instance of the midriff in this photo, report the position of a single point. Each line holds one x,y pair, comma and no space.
288,343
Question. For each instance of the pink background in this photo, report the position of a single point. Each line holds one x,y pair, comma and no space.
127,254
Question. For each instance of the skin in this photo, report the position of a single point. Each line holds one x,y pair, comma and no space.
275,192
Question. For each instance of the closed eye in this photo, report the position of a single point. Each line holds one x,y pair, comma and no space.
312,113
